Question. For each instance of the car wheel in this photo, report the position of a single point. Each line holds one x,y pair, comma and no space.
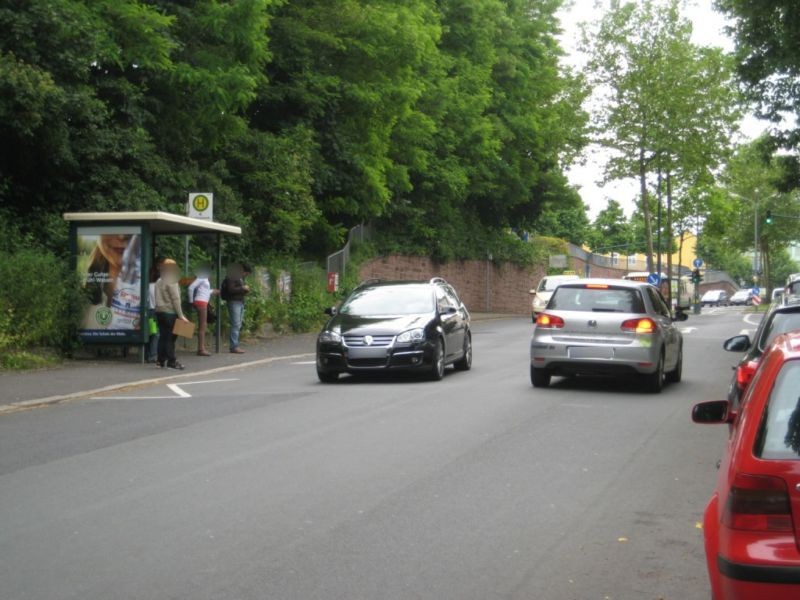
327,376
655,381
465,363
533,318
437,361
675,375
540,378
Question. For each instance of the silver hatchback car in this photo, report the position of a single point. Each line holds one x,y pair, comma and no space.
607,327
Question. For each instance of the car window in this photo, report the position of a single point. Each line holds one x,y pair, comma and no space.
389,300
443,300
779,432
658,302
452,296
547,285
597,299
778,323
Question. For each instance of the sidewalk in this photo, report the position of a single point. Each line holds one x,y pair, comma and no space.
83,377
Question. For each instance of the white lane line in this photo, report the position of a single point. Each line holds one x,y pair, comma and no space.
747,320
209,381
177,389
746,331
305,362
688,329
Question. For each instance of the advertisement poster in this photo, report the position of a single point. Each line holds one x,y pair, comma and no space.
110,269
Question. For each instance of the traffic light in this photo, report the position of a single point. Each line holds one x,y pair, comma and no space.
769,217
696,277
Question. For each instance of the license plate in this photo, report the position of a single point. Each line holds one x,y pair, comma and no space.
591,352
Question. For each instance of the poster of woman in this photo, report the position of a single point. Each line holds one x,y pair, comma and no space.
110,267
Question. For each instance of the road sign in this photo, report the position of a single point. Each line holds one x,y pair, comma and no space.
756,300
654,279
201,205
756,290
697,262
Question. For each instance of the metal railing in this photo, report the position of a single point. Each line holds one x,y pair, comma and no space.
337,262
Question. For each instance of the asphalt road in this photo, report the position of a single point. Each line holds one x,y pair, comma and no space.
269,485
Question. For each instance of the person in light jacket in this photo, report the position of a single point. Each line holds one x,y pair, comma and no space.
200,293
168,310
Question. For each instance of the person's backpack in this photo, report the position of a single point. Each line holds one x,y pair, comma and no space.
224,292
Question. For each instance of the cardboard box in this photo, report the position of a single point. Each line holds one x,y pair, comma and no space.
183,328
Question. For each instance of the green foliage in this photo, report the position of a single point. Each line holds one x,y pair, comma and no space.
39,302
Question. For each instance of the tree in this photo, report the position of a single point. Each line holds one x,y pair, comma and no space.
667,106
611,230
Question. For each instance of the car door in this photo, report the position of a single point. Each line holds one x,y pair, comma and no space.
461,319
664,318
449,319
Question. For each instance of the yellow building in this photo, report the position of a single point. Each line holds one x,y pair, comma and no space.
685,256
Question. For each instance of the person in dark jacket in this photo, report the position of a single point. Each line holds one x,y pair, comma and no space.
236,291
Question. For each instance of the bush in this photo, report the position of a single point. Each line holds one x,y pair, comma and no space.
39,302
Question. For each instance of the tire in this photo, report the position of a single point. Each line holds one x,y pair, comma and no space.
676,374
437,361
533,318
540,378
465,363
654,382
328,376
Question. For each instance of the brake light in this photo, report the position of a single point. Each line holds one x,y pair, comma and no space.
596,286
645,325
758,503
745,372
546,321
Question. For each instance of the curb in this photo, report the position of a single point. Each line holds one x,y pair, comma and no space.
49,400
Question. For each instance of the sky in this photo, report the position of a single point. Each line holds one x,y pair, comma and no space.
708,31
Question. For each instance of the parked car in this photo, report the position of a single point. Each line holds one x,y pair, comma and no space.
714,298
395,325
751,525
791,293
544,291
607,327
780,319
742,297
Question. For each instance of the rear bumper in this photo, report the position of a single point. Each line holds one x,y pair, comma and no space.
778,574
561,358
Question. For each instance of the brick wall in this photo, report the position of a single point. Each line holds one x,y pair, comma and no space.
483,286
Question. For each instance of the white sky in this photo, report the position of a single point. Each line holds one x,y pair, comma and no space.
708,31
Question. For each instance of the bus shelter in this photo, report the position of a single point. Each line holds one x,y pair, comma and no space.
112,254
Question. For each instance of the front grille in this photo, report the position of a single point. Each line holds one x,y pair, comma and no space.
378,341
367,362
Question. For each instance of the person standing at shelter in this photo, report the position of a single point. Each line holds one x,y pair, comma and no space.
200,293
168,310
234,289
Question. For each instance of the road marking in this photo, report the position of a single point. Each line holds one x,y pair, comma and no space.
305,362
747,320
177,389
746,332
688,329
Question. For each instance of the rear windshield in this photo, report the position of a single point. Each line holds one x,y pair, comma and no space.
781,322
389,300
779,433
610,299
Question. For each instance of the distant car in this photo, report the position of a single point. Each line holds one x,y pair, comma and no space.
751,525
742,297
544,291
777,296
791,293
396,325
607,327
714,298
781,319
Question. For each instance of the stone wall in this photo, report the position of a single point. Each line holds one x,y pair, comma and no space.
483,285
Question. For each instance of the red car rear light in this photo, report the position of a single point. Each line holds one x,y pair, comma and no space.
546,321
645,325
745,372
758,503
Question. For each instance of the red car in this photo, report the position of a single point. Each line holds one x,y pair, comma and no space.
751,525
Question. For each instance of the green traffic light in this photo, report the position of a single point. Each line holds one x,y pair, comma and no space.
769,217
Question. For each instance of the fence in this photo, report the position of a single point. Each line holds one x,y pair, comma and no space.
337,262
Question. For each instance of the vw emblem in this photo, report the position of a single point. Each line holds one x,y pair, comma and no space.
368,340
592,323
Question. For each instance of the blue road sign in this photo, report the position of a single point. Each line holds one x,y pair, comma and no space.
756,291
654,279
697,262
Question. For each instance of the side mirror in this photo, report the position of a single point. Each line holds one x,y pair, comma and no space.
331,311
738,343
531,292
714,412
449,310
680,316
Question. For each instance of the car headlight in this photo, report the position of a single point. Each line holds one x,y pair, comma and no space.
412,335
331,337
539,302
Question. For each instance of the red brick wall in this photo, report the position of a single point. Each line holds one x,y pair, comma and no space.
483,286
